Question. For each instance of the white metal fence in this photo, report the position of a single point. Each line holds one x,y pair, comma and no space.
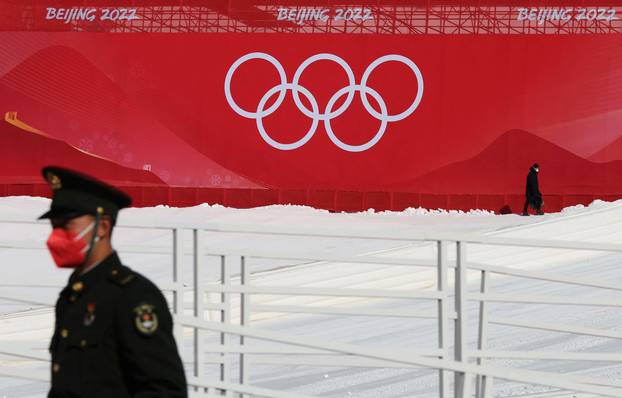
218,315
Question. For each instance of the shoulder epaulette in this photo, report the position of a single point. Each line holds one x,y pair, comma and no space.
121,275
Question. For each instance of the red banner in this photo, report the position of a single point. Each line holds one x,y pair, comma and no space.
460,117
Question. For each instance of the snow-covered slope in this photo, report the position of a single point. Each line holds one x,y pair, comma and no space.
28,274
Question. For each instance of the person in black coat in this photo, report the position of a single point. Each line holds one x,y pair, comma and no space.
533,196
113,335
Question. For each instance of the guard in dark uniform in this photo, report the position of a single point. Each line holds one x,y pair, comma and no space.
113,334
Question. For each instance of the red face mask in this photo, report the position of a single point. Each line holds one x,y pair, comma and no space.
67,248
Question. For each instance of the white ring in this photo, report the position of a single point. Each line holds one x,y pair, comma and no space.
416,71
351,83
262,131
383,121
236,65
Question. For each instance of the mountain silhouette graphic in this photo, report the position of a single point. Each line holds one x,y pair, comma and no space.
73,100
503,165
611,152
25,152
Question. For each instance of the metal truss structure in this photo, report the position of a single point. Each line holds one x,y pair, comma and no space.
478,17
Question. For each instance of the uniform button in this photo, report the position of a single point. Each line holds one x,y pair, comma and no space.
114,272
82,343
55,368
64,333
73,298
77,287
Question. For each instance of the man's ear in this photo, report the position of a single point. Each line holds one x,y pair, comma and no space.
104,228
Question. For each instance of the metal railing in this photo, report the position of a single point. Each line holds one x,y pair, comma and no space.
224,315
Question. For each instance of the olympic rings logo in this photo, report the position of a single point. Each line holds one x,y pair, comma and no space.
316,116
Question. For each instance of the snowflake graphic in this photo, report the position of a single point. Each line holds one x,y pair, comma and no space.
86,144
137,71
165,175
215,180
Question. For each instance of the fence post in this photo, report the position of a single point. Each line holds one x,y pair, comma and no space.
443,326
225,317
199,309
244,319
484,383
461,380
178,284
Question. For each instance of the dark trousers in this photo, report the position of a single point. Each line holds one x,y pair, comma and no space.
535,202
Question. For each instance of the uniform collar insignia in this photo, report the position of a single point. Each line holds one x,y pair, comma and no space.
89,317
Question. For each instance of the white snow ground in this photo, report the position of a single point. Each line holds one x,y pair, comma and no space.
29,274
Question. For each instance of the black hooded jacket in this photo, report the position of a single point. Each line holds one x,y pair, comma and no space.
532,189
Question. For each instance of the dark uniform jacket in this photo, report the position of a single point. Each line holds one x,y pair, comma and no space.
532,190
113,338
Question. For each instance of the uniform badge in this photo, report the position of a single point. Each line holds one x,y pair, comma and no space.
89,317
145,319
54,181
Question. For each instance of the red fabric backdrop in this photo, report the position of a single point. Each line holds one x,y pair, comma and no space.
153,106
